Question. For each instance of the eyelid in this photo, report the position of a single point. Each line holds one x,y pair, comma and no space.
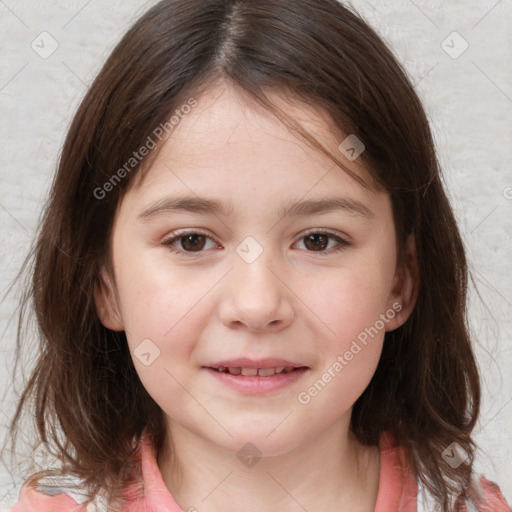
325,231
342,240
176,235
189,231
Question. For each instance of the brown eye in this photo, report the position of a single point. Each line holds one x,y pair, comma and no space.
193,242
190,243
317,241
323,242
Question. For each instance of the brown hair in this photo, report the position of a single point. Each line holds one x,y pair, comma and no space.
426,387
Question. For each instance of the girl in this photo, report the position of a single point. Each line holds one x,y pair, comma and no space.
249,284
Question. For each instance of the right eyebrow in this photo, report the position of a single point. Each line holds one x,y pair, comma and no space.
187,204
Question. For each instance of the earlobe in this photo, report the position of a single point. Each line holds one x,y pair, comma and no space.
106,303
405,286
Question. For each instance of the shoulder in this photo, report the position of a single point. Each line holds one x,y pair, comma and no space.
493,499
56,494
394,463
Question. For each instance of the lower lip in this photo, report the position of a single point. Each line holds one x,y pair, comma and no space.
254,384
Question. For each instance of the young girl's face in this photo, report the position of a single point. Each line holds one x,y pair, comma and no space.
314,288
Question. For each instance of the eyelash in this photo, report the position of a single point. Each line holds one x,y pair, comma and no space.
170,241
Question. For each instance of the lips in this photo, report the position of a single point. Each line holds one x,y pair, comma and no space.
251,367
256,376
261,372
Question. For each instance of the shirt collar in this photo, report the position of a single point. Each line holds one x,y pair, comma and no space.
397,486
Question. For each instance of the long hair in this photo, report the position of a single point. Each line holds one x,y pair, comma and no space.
88,400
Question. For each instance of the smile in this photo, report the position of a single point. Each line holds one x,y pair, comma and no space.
256,381
262,372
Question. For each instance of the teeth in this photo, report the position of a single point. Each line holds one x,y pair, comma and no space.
262,372
265,372
249,371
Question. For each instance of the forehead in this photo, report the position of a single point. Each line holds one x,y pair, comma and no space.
227,145
228,112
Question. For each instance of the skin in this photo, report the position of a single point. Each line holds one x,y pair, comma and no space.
292,302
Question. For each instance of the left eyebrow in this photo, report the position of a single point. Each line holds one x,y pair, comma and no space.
325,205
220,208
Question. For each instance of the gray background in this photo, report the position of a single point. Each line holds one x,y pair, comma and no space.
468,99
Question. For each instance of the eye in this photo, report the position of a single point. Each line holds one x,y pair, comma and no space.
318,241
189,242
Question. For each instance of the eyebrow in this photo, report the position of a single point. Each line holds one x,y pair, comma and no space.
206,206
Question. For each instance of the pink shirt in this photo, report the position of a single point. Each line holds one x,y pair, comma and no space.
398,490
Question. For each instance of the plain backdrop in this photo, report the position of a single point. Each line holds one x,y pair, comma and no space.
468,96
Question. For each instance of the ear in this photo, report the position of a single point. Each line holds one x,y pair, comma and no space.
107,305
404,292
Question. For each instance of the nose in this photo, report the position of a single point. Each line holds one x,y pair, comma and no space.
255,297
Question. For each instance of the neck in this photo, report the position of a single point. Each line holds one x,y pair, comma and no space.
331,473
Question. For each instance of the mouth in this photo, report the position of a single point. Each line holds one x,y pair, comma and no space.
246,367
260,372
256,376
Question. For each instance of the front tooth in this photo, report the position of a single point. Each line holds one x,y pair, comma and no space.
279,369
266,372
249,371
234,371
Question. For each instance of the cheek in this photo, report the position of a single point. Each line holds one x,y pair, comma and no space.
350,349
157,305
161,336
351,306
351,299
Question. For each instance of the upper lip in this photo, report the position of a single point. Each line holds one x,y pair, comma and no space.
244,362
